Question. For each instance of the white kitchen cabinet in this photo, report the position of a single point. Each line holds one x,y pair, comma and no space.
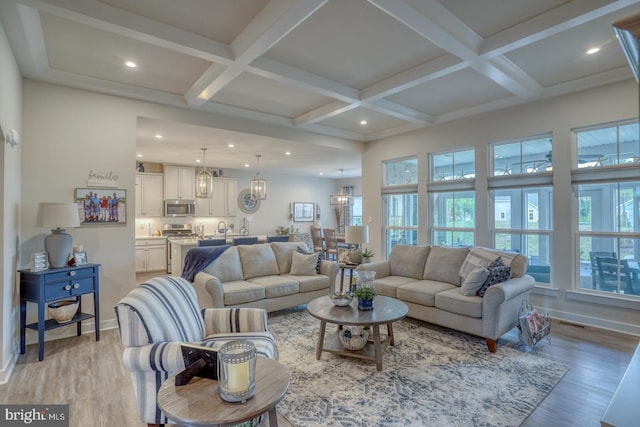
151,255
223,203
179,182
149,195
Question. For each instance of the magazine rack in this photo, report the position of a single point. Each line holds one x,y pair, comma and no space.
532,325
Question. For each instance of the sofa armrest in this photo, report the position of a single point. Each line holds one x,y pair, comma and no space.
232,320
330,268
381,268
506,291
164,357
209,290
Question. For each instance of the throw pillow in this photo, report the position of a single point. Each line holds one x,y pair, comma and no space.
303,250
498,273
474,281
302,264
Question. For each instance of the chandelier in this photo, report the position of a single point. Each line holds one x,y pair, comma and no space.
258,186
342,198
204,179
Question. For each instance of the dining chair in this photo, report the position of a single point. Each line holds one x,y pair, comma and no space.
595,277
331,243
212,242
318,241
244,241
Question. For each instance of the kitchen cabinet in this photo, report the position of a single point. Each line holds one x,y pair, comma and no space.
149,194
179,182
223,203
151,254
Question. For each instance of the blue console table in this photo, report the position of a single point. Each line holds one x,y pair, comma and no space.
43,287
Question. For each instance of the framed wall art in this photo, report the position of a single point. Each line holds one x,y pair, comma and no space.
303,212
98,206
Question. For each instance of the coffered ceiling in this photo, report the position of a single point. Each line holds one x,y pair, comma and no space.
320,66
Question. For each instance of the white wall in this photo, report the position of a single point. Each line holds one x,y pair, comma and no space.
10,118
557,115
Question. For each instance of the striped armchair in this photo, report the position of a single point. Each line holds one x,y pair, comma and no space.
156,317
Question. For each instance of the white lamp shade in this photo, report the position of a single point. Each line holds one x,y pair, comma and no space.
357,234
58,215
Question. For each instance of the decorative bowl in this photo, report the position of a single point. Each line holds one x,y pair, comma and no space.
341,299
353,337
63,311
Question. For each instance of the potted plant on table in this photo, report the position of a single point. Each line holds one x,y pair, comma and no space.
367,254
365,295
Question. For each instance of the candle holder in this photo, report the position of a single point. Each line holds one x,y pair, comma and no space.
237,371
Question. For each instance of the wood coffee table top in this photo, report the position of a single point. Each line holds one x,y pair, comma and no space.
386,310
199,403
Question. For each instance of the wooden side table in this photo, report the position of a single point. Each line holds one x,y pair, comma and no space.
43,287
199,403
344,266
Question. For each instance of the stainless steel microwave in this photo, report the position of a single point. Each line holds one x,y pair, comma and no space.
179,208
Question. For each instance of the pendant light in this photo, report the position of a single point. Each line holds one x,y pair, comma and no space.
204,179
258,185
342,198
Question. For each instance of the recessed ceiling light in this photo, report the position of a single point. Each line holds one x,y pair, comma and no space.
593,50
363,122
321,173
287,153
246,165
138,155
131,64
231,145
158,136
198,160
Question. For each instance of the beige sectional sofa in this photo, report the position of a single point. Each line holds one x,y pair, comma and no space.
272,276
430,281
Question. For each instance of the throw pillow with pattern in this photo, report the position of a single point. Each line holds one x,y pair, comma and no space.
498,273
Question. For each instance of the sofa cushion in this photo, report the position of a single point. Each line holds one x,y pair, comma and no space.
258,260
422,292
474,281
408,260
498,273
311,283
304,264
388,286
283,251
481,257
277,286
227,266
443,264
241,292
454,302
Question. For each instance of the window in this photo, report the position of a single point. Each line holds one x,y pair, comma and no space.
608,208
521,199
452,198
356,218
400,202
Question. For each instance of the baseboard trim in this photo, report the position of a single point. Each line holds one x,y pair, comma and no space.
7,370
594,322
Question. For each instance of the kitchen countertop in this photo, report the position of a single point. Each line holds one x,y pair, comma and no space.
191,242
150,237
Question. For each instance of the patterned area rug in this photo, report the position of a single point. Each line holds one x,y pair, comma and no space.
432,377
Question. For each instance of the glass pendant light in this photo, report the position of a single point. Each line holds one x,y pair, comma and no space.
342,198
204,179
258,185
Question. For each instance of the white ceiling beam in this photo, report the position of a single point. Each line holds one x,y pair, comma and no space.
273,22
283,73
462,42
108,18
324,112
38,59
399,111
550,23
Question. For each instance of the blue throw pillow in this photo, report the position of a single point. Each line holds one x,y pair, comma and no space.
498,273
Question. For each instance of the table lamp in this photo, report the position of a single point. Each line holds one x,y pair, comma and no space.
356,235
57,217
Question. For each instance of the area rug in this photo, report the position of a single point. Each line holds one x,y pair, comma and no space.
432,377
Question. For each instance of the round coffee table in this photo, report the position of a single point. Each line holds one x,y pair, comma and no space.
199,403
385,311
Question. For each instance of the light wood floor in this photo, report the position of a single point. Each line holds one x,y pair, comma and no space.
89,376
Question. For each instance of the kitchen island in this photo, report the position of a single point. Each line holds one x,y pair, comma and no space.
179,249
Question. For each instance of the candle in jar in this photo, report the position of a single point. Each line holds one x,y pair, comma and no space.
238,376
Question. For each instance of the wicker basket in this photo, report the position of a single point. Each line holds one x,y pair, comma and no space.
63,311
353,337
